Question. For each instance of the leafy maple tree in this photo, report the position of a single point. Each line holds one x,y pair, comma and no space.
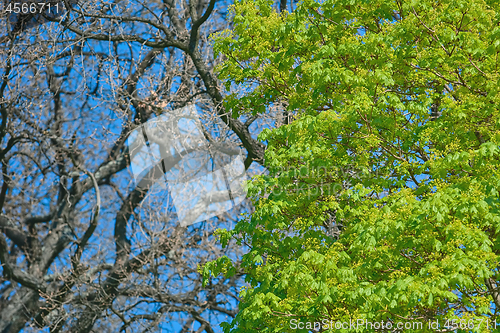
382,199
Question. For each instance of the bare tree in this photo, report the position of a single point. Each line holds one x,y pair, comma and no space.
84,245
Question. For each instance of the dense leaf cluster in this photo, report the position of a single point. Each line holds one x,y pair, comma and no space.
405,94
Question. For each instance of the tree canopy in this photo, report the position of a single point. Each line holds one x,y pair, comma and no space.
381,202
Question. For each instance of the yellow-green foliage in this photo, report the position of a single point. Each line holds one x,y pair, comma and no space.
417,196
